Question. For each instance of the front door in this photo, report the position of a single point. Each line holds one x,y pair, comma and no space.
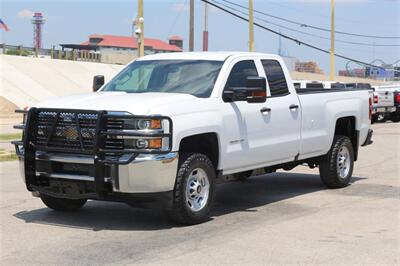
259,134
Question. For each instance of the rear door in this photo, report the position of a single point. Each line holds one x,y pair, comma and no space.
283,121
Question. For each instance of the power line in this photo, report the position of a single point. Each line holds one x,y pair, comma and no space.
289,37
311,26
322,16
306,33
177,17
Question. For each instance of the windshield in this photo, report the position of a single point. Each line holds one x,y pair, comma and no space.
195,77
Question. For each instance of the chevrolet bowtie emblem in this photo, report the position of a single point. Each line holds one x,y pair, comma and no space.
71,133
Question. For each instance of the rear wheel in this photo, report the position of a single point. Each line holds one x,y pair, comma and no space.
336,168
374,119
59,204
194,191
382,118
395,117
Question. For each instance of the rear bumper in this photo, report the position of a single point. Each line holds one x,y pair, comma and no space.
383,110
368,140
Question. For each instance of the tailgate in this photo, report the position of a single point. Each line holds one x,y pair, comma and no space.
385,99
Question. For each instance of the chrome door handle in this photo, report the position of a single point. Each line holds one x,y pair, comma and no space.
265,110
293,106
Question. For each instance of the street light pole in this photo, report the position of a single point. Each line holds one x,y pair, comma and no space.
332,51
140,21
191,27
205,32
251,27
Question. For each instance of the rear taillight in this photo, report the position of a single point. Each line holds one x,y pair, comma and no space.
370,109
397,97
375,98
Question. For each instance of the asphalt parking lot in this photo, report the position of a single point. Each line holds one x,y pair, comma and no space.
282,218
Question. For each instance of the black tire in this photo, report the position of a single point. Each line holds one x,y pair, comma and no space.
329,165
64,205
381,118
374,119
181,211
395,117
243,176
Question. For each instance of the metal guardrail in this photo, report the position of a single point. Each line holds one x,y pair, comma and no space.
19,50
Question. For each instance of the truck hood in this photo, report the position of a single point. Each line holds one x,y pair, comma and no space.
135,103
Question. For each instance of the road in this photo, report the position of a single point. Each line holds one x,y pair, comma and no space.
282,218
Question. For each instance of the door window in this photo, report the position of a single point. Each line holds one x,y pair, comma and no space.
240,72
276,78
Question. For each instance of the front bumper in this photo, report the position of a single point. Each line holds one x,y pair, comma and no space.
149,173
93,163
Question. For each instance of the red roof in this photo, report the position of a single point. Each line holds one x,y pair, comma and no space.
130,42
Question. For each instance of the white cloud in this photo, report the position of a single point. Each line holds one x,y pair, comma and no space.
25,14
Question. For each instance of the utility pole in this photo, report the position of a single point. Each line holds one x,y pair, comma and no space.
191,27
332,74
205,32
251,27
140,21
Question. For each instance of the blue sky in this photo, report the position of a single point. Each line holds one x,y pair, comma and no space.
72,21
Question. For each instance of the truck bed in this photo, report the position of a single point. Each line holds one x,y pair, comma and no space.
323,90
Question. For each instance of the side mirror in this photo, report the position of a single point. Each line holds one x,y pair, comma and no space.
98,81
254,92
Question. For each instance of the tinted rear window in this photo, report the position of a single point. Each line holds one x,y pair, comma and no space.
276,78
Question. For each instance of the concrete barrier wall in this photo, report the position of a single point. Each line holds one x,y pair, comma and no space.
26,80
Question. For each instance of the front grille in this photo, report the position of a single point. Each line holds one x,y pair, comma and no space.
66,130
112,142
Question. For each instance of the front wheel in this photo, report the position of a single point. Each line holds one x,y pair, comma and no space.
336,167
65,205
194,191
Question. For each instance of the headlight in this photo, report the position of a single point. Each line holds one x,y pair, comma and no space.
142,134
142,124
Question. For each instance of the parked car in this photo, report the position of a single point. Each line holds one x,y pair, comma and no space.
169,126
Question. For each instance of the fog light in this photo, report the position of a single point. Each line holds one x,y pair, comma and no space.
142,144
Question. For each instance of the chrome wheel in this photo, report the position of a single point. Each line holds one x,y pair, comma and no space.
343,162
197,190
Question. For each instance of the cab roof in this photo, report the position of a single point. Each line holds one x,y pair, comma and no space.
212,56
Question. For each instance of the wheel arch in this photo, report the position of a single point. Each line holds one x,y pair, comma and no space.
346,126
207,143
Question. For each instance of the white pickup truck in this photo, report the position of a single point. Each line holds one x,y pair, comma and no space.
385,103
168,127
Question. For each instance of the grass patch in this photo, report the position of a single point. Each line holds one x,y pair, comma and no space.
11,136
7,155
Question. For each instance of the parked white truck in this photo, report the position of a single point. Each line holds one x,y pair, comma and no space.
168,127
385,103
